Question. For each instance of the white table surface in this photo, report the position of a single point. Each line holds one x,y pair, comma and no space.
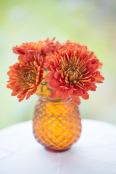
94,153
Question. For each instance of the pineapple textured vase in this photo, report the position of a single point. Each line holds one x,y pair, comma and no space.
56,124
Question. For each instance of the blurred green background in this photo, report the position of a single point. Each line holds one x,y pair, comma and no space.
88,22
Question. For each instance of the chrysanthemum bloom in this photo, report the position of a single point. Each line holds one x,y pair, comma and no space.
73,72
41,47
26,75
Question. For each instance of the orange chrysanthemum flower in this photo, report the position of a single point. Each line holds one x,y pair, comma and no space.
73,72
41,47
25,75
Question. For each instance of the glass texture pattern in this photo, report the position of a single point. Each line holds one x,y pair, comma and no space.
56,124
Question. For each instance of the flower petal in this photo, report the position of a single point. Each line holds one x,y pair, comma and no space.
47,67
14,93
76,99
57,75
22,97
18,50
85,96
34,90
55,83
21,93
49,76
28,95
51,86
56,93
65,96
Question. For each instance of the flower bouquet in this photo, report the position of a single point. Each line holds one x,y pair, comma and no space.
60,74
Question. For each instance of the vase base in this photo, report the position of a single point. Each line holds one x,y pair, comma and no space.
56,151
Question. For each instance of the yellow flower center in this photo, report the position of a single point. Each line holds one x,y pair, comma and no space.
72,74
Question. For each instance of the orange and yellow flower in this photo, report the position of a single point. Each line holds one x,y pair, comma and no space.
41,47
26,75
73,72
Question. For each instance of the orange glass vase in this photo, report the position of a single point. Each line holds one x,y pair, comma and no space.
56,124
